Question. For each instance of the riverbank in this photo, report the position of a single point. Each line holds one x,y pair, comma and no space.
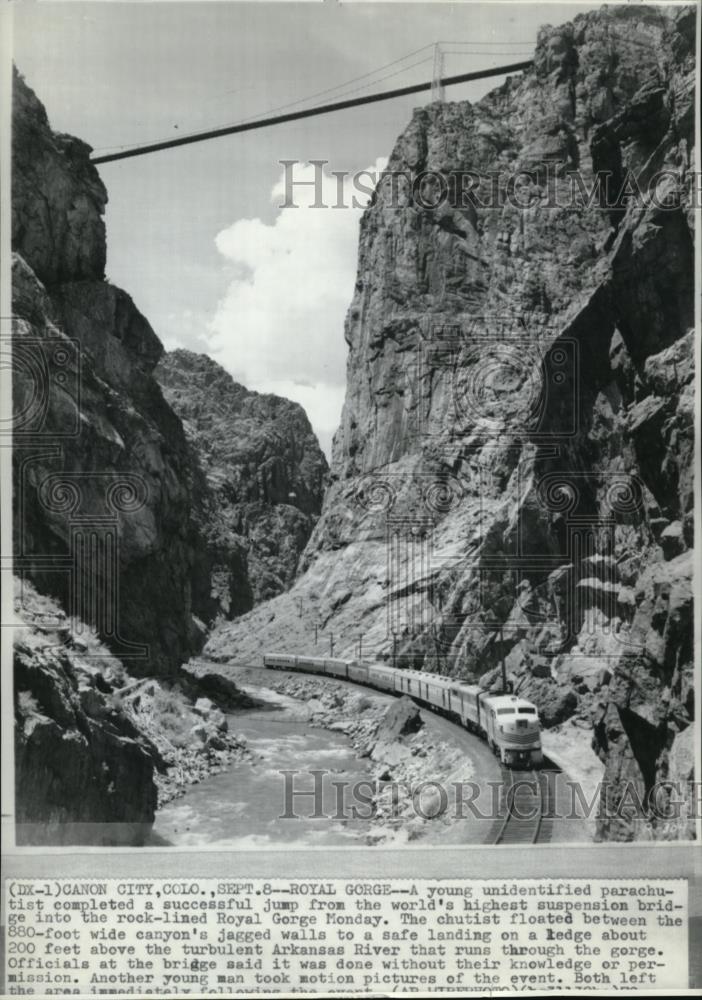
246,805
191,735
98,751
418,763
410,749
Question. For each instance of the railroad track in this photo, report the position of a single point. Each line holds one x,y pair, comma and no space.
527,801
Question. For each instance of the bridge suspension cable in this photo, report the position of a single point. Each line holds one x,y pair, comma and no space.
249,126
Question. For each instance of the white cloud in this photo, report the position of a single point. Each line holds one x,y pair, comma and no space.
279,327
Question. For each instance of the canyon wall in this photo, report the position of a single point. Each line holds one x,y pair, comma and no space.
102,509
123,547
264,475
142,530
84,771
513,472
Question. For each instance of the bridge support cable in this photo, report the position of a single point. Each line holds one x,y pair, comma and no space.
324,109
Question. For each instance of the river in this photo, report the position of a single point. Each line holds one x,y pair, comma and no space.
243,807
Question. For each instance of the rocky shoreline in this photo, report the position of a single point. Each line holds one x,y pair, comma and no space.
408,760
98,751
192,739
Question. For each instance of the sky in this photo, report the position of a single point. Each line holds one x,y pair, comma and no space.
196,235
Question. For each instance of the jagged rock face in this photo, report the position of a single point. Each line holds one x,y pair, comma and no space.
84,774
57,197
436,286
102,468
137,528
95,749
80,779
516,443
263,467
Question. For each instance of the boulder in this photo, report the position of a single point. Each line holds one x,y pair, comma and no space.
199,733
540,666
390,754
216,742
203,707
207,686
402,718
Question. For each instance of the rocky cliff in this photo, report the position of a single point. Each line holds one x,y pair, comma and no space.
513,472
96,750
84,772
125,542
102,508
264,476
145,532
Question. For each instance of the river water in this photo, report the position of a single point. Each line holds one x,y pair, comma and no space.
243,807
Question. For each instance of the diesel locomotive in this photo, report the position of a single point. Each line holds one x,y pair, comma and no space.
508,723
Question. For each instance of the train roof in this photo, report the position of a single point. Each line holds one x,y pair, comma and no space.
447,682
427,676
508,701
461,688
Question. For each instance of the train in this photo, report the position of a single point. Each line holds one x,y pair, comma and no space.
508,723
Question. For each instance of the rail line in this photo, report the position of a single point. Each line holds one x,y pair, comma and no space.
527,800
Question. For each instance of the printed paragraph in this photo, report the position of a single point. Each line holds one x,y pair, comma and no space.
159,936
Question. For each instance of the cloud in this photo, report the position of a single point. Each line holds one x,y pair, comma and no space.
279,326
